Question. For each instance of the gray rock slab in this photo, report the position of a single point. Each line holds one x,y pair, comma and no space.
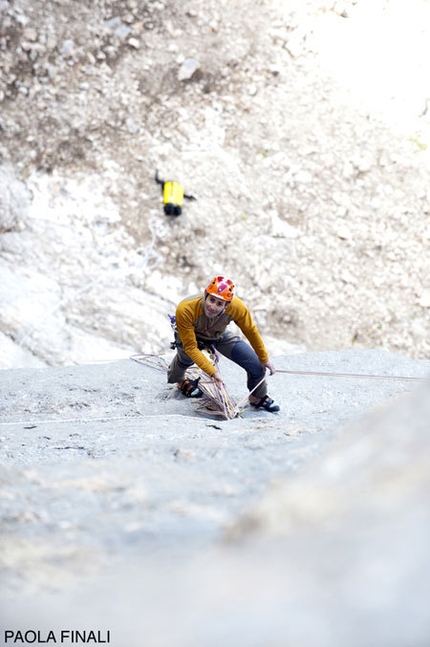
124,509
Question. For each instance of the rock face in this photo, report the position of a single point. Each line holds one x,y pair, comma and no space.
123,510
311,194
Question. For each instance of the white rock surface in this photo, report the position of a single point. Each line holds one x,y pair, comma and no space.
310,165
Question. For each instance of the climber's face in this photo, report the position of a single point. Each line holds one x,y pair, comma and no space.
213,306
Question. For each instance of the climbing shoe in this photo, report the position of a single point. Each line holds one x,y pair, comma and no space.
190,388
267,404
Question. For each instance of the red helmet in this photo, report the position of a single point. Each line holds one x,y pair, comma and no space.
221,287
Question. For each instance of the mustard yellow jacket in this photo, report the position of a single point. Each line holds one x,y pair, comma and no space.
192,323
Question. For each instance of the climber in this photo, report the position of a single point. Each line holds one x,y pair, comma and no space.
173,196
202,320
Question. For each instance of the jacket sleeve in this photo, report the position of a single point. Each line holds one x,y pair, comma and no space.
186,313
242,318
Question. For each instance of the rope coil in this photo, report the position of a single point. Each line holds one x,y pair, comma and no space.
215,401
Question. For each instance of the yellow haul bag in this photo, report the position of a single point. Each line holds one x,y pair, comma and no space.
173,193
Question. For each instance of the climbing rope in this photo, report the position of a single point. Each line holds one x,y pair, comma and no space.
153,361
355,375
215,400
